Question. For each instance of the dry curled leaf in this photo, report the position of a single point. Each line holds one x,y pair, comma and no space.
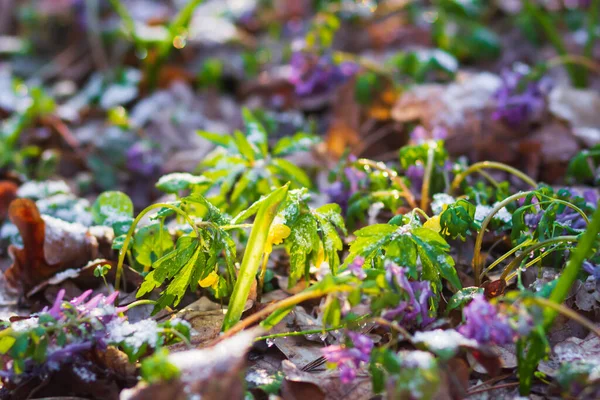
49,245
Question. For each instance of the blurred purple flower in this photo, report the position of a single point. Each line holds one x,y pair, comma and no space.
415,308
592,269
519,102
420,135
349,359
415,174
313,75
342,190
144,159
485,324
356,267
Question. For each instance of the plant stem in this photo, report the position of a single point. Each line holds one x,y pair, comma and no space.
427,176
518,260
567,312
477,262
282,304
131,232
237,226
593,25
252,256
393,176
137,303
569,274
310,331
261,279
489,389
578,75
504,257
493,165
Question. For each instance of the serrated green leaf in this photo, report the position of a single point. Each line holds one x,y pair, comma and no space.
292,172
301,242
298,142
462,297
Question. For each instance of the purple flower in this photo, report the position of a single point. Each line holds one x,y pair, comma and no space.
485,324
593,270
349,359
519,102
414,309
342,190
415,174
144,159
420,135
356,267
313,75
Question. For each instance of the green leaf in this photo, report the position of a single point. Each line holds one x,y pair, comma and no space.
332,243
462,297
244,146
216,138
170,264
186,276
433,251
178,181
292,172
150,242
255,132
458,220
302,241
333,214
370,242
299,142
111,207
332,314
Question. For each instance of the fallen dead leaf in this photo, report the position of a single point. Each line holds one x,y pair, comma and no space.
579,107
327,381
211,373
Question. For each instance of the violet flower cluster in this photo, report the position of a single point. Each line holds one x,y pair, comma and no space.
485,324
66,331
519,102
342,190
350,359
414,309
568,217
144,159
313,75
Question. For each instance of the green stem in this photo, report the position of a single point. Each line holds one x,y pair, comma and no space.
477,262
393,176
261,279
567,312
578,75
252,256
592,27
139,303
493,165
237,226
504,257
131,232
310,331
518,260
282,305
427,175
569,274
423,213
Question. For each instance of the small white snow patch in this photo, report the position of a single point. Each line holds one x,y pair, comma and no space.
40,190
85,374
63,275
24,324
481,212
418,359
440,340
134,335
439,201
